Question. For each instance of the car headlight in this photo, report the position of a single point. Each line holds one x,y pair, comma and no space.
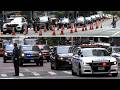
5,54
23,54
61,58
115,62
40,54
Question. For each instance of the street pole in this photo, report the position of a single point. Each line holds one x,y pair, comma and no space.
72,41
3,15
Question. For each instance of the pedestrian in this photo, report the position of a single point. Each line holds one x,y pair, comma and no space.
16,59
114,22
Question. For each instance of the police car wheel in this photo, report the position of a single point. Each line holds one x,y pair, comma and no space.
115,74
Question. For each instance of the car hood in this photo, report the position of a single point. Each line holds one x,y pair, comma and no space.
66,55
30,52
116,54
9,51
102,58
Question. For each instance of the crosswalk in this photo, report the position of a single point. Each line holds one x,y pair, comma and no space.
50,74
37,74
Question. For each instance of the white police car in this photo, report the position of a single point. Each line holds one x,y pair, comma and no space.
93,61
18,24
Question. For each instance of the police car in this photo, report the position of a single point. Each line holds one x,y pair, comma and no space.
18,24
93,61
115,52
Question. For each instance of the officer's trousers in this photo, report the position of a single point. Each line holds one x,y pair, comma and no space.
16,66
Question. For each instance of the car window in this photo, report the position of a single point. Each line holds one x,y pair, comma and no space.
9,47
35,48
87,53
23,20
116,49
70,50
46,47
109,49
62,50
100,53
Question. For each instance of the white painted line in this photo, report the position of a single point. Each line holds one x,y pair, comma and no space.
4,75
27,70
21,74
52,73
115,33
67,72
35,73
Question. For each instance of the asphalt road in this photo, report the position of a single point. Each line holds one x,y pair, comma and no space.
31,71
105,31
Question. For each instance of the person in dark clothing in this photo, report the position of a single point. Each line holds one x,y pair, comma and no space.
16,59
114,22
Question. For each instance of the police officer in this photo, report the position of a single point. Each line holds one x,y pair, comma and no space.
114,22
16,59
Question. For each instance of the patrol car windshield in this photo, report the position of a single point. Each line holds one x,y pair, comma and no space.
9,47
89,53
100,53
116,49
62,50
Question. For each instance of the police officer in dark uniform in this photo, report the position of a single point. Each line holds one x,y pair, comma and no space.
16,59
114,22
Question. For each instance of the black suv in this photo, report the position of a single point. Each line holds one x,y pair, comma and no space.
30,53
61,57
8,52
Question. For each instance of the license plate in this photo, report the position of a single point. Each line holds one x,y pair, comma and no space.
101,68
31,60
11,28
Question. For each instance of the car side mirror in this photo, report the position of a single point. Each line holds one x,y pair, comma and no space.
81,55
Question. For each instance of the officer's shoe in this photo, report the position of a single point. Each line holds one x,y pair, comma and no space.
16,75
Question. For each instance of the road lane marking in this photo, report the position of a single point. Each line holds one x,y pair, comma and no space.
35,73
4,75
115,33
52,73
67,72
21,74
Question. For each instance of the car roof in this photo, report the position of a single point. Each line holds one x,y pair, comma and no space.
27,45
114,46
63,46
93,48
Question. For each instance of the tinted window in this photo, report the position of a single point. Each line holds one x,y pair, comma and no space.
117,49
87,53
35,48
46,48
